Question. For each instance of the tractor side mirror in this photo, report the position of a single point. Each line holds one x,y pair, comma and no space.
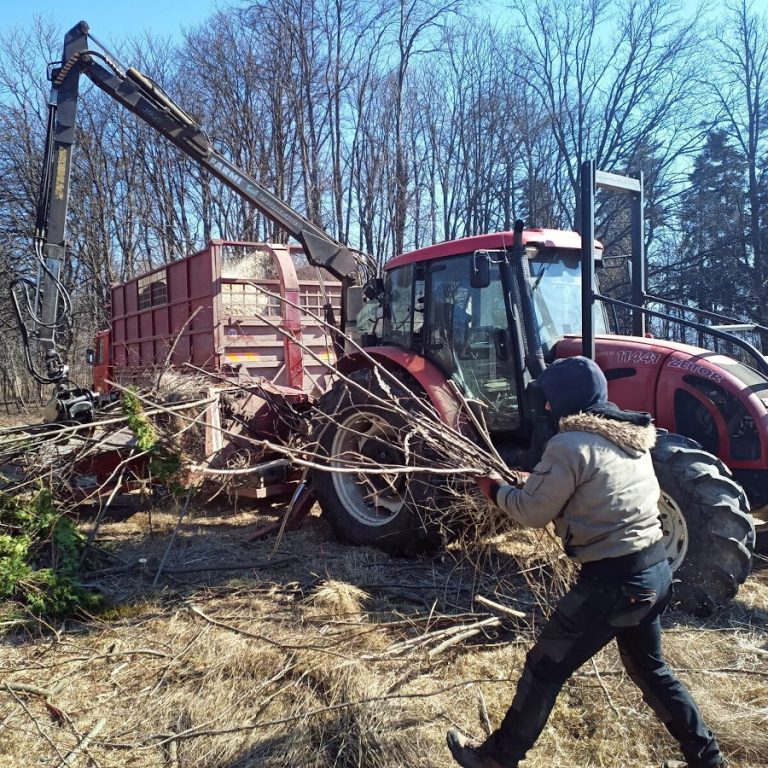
480,270
90,356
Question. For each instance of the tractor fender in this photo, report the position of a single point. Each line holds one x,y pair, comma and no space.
435,384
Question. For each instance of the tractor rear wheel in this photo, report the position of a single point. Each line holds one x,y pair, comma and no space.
355,434
708,531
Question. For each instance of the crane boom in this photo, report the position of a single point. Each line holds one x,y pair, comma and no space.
46,301
140,95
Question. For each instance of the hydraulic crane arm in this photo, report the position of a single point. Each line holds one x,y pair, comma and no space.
43,306
144,98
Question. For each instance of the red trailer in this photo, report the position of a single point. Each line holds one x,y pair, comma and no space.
238,310
213,309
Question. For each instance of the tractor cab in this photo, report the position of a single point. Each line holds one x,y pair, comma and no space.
460,305
485,315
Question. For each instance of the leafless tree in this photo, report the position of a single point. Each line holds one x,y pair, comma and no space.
615,78
741,89
417,29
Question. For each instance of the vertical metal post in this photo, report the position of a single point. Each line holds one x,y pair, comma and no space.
592,179
587,258
638,260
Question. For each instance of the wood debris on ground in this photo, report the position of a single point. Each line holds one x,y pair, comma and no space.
319,654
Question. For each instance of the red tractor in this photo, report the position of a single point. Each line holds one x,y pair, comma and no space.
472,320
486,314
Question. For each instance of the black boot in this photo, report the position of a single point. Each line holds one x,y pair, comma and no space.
470,754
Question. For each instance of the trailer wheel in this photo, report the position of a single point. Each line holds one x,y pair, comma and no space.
708,531
388,510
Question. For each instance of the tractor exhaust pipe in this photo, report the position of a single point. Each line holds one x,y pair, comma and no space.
587,258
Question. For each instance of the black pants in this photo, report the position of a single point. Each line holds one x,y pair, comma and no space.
593,613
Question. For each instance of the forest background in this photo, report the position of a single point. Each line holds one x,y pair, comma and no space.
398,123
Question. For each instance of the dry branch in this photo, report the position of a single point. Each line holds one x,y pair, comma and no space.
182,513
72,757
498,608
483,709
25,688
264,638
445,637
164,368
35,721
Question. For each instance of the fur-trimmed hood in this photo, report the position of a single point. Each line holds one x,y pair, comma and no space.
630,437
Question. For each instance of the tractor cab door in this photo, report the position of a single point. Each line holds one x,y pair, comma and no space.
466,333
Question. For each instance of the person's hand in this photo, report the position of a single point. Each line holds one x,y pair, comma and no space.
489,485
517,478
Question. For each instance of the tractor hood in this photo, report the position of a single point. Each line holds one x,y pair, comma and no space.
630,357
713,399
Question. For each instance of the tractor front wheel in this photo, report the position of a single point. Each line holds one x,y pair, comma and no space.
370,489
708,531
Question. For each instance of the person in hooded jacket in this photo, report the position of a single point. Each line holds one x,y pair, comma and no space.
596,482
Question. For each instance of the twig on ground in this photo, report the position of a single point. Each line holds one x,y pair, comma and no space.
264,638
498,608
35,721
459,637
25,688
605,689
180,519
443,636
483,711
72,757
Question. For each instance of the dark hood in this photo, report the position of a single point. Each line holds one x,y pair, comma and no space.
572,385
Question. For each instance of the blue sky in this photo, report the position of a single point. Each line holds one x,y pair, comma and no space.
112,20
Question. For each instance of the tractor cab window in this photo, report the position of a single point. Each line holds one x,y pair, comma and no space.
556,289
467,335
400,306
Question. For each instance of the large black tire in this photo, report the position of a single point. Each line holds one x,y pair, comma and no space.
387,511
708,531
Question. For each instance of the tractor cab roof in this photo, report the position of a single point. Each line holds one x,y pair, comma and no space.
542,238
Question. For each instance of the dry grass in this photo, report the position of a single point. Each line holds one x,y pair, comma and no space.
31,415
310,656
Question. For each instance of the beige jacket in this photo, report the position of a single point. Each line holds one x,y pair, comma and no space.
597,483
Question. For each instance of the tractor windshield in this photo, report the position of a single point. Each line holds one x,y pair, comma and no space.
556,289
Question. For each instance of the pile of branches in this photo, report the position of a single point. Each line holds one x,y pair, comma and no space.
142,432
401,452
412,451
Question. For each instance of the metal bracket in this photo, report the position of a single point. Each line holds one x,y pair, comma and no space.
592,179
